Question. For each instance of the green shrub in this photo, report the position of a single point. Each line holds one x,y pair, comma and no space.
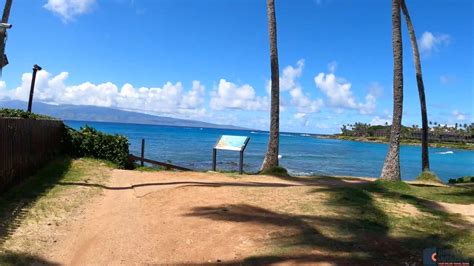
18,113
452,181
89,142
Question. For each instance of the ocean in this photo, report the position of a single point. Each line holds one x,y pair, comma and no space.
301,154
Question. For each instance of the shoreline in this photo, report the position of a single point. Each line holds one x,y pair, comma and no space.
454,145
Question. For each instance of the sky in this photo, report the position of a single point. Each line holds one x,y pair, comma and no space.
209,60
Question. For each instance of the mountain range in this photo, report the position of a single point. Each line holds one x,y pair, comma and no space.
107,114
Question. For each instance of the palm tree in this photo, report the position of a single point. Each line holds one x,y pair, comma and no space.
425,162
391,167
3,32
271,158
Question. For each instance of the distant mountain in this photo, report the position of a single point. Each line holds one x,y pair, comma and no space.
106,114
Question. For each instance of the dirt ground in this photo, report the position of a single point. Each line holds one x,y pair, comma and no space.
197,218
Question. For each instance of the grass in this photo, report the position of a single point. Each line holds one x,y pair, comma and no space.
428,176
276,171
50,195
374,223
148,168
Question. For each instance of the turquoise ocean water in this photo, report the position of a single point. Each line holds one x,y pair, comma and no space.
300,153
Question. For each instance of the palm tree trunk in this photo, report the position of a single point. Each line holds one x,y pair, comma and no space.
425,162
391,167
3,31
271,158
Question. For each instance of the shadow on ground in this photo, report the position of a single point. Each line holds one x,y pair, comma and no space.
14,203
13,258
362,228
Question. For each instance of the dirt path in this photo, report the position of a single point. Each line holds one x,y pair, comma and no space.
176,218
144,218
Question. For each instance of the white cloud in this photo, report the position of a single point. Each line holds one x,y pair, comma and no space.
231,96
380,121
290,74
332,66
169,99
69,9
431,42
340,95
289,82
447,79
303,103
459,115
302,118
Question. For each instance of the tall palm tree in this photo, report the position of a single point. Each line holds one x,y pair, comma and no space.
425,162
391,167
3,31
271,158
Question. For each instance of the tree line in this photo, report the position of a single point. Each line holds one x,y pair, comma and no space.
457,132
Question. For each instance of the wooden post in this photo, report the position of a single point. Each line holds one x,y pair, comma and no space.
32,88
143,152
214,158
241,165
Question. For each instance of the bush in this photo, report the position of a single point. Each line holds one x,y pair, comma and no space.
18,113
88,142
452,181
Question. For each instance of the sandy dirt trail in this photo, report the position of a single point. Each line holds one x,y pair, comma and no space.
166,218
143,218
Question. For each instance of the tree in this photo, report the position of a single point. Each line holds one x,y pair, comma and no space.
271,157
391,167
3,32
425,162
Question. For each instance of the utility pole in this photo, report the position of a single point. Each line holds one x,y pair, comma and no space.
32,89
3,33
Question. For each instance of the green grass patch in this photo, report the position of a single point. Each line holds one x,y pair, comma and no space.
428,176
276,171
51,193
149,168
449,194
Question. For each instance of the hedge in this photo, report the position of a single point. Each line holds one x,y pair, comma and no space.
18,113
89,142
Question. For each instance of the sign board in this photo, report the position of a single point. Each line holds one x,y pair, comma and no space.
232,143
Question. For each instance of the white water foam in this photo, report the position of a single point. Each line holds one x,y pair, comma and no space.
445,152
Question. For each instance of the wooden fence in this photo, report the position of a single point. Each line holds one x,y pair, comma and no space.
26,145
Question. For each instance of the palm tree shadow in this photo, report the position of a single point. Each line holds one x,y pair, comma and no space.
362,233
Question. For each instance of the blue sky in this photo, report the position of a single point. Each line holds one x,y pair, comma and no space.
209,60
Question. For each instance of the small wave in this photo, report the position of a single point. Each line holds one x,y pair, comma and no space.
305,135
286,135
255,132
280,156
445,152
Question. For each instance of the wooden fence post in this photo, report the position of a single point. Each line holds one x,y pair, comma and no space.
214,155
143,153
